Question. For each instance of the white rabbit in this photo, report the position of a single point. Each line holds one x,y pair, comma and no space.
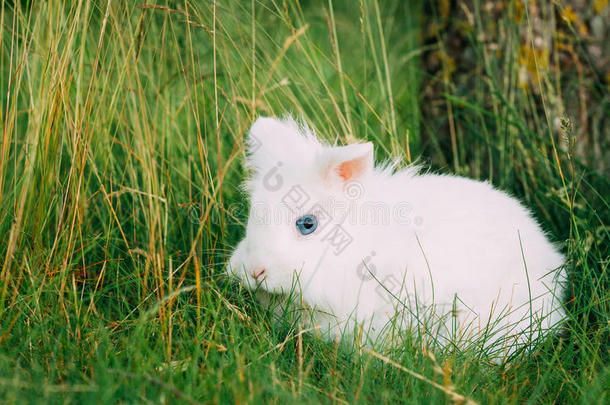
440,253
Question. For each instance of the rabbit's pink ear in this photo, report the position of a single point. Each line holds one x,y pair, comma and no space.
345,163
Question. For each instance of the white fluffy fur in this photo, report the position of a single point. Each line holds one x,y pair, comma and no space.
461,250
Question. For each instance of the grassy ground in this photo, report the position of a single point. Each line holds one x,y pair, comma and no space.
120,157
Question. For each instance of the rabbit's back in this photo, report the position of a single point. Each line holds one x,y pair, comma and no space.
476,248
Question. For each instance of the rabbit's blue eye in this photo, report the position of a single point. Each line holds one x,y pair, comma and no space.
307,224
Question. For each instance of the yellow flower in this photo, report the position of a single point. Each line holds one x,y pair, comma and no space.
517,12
569,15
599,6
571,18
531,63
444,8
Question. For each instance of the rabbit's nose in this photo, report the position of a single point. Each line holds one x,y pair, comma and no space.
257,273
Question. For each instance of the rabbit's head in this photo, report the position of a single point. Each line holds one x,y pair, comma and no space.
301,196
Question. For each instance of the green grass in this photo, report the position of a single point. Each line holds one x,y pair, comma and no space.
120,160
